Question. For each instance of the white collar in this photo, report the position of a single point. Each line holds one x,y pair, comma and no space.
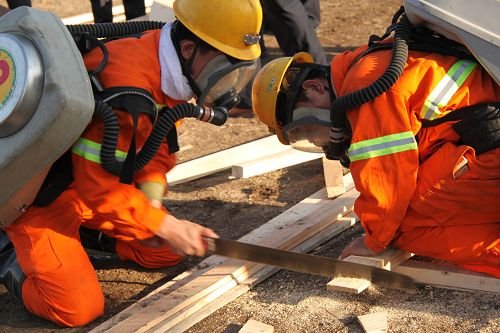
173,83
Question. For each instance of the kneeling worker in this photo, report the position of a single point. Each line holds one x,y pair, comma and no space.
427,186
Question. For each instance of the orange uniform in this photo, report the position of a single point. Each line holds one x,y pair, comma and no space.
412,194
61,284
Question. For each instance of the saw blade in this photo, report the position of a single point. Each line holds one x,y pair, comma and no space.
306,263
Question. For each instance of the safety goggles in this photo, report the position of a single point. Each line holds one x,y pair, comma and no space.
291,86
309,129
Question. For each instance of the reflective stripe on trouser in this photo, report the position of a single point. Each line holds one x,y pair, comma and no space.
446,88
384,145
91,151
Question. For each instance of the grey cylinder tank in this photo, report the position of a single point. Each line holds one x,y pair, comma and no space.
46,103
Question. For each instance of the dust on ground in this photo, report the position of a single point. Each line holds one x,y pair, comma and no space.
291,302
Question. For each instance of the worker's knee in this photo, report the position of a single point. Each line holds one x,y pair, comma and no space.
67,307
80,312
84,312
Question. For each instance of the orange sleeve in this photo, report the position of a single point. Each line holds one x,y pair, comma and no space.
127,211
384,165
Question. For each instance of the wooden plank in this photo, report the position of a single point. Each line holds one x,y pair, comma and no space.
448,276
167,312
347,284
254,326
272,162
386,260
267,271
224,159
334,181
374,322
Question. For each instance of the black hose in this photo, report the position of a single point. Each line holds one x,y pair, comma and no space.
111,30
164,124
110,137
341,105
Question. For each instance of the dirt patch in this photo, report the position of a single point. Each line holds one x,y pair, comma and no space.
291,302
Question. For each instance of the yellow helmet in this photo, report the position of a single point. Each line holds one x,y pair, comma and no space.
230,26
267,85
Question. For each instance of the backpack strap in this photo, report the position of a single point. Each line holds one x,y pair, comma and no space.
478,125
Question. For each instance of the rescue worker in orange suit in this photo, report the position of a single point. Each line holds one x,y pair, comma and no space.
44,265
422,189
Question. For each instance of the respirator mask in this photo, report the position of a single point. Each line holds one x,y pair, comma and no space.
221,81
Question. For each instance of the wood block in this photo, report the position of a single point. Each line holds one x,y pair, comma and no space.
254,326
334,181
347,284
386,260
272,162
374,322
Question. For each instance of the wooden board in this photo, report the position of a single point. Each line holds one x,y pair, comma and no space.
374,322
224,159
175,307
272,162
348,285
448,276
267,271
386,260
254,326
334,182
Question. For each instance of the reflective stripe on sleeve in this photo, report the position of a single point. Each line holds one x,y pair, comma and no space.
91,151
384,145
446,88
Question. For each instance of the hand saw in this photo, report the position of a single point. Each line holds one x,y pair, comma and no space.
306,263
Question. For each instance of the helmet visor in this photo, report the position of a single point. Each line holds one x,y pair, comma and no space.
309,130
220,78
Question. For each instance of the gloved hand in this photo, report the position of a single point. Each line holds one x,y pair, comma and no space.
185,237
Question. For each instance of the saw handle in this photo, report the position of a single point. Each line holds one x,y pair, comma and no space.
210,244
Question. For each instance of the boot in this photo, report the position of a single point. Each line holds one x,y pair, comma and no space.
11,274
95,240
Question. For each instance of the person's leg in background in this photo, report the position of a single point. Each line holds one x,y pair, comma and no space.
18,3
293,23
102,10
134,9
